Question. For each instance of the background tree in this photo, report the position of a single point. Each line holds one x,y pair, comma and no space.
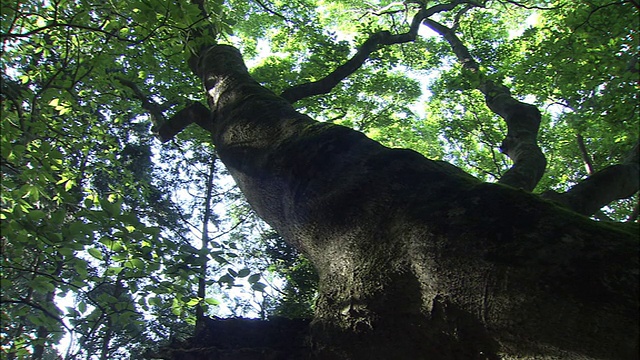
104,209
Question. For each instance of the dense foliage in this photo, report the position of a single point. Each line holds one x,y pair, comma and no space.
111,241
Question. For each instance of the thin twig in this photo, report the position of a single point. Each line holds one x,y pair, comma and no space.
585,155
272,12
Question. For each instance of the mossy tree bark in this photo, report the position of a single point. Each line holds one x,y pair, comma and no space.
417,259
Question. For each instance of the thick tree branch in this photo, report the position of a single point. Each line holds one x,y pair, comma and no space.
330,81
609,184
167,129
194,113
523,120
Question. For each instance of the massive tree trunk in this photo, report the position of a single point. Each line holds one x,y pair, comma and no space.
417,259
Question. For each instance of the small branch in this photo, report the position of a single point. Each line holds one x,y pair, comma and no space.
151,106
50,276
456,18
266,8
634,214
73,26
233,227
530,7
585,155
38,307
197,32
388,9
459,49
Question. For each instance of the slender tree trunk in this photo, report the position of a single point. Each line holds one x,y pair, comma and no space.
48,300
588,164
204,249
105,347
417,259
108,334
42,332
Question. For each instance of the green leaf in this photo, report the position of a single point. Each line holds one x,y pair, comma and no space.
243,273
253,278
212,301
113,245
176,307
226,279
78,228
79,266
64,251
114,270
113,209
193,302
72,312
36,215
95,253
5,283
82,306
134,264
42,284
259,287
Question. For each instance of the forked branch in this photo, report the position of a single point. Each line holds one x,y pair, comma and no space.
326,84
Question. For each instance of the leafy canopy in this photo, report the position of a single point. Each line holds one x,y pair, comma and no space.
94,210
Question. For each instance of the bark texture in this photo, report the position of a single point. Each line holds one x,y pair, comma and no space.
243,339
417,259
